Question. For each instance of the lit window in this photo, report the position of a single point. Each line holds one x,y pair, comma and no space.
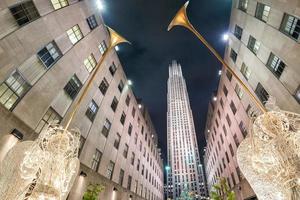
90,63
253,45
24,12
238,91
262,94
92,110
12,90
92,22
275,65
243,5
49,54
106,127
102,47
96,160
50,116
262,12
73,86
245,70
74,34
291,26
57,4
110,169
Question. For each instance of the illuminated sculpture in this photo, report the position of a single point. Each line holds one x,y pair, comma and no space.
42,169
270,159
45,169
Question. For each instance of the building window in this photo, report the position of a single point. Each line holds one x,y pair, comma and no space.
51,116
12,90
103,86
121,177
261,93
224,129
49,54
24,12
291,26
297,94
233,179
238,32
222,103
243,129
110,169
74,34
114,104
73,86
92,110
225,90
229,75
133,112
121,86
106,127
253,45
243,5
135,138
262,12
92,22
238,90
96,160
132,158
275,65
228,120
129,183
122,119
233,55
227,157
81,144
138,165
236,140
117,141
233,108
57,4
102,47
112,69
129,129
90,63
127,101
231,150
125,152
245,70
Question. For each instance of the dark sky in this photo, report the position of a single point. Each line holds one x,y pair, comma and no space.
144,24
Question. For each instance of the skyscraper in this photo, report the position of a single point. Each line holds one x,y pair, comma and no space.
185,169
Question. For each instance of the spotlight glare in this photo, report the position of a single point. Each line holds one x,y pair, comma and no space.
117,48
129,82
100,5
225,36
215,98
220,72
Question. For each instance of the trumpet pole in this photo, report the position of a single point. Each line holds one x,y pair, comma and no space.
181,19
115,39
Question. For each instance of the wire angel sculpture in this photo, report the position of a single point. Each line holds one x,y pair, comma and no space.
269,157
42,169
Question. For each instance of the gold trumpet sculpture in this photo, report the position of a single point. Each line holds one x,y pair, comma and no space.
115,39
181,19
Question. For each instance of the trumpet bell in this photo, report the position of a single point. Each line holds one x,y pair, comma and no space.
181,18
115,38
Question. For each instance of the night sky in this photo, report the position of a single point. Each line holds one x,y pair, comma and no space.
144,23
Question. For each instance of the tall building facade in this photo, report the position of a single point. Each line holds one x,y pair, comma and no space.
263,49
48,50
185,169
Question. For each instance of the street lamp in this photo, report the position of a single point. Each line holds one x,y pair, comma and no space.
225,37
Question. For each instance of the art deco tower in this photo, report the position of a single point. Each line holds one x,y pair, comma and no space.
185,170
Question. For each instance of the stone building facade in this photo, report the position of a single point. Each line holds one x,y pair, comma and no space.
48,49
263,48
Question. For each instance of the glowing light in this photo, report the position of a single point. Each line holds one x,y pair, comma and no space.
117,48
215,99
220,72
208,131
100,5
167,168
129,82
140,106
225,36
